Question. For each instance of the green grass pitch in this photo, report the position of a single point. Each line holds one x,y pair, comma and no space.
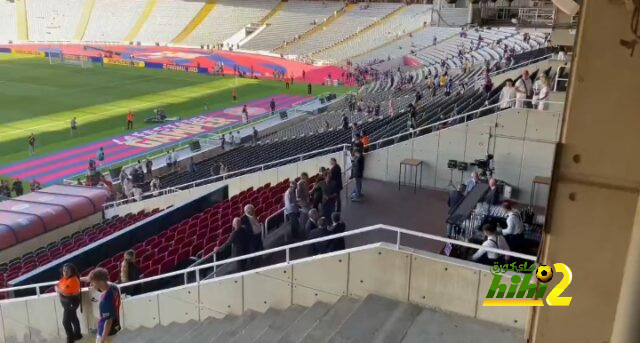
42,98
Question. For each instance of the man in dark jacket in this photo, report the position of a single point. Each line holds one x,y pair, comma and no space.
238,244
335,228
334,188
357,172
312,222
456,197
319,232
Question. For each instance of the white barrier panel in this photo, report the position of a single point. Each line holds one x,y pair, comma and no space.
513,316
15,319
228,299
266,289
141,311
43,316
324,279
379,271
178,305
444,286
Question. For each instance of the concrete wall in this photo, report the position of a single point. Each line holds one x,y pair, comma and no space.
522,141
49,237
425,279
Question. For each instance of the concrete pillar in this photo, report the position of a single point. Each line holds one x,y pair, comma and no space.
594,212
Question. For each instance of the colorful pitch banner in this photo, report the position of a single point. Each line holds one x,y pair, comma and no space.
128,63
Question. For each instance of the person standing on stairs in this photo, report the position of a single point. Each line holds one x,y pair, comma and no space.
68,289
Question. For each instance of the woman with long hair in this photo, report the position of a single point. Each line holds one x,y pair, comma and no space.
68,288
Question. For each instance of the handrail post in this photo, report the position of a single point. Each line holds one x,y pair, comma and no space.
186,281
288,258
215,266
398,240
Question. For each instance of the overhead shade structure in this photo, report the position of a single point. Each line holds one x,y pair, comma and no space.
42,211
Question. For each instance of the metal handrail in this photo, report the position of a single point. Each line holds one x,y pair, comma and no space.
287,249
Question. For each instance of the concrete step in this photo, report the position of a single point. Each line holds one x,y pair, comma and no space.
209,328
239,324
332,320
432,326
178,333
296,331
364,323
397,324
256,327
278,327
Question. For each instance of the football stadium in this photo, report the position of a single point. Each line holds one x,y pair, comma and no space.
319,171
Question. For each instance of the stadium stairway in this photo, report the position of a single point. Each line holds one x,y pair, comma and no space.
196,21
23,28
146,13
373,319
84,20
281,5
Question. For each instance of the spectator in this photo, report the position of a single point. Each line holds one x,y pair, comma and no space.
169,160
245,114
174,158
319,232
238,244
335,228
191,165
35,185
494,241
272,105
319,189
493,196
357,172
17,187
32,144
238,138
250,220
223,169
514,233
335,185
303,198
345,121
312,223
508,95
524,90
255,136
232,140
473,181
149,167
68,289
543,93
155,184
129,271
222,142
5,190
291,210
488,83
109,305
456,197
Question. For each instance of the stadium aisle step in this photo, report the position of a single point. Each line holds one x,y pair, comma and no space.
277,327
235,328
296,331
331,321
363,324
397,324
256,327
208,329
432,326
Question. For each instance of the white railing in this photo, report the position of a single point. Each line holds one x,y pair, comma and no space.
342,147
35,288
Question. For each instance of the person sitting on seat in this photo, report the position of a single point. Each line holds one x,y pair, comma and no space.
493,240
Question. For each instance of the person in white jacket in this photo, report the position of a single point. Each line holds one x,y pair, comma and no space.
508,95
524,89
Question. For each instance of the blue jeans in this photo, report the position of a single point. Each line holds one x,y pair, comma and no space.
357,192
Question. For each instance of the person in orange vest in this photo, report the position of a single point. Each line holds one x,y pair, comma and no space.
365,140
234,95
130,118
68,289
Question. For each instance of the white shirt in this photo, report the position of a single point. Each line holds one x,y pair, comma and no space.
542,97
514,224
496,242
168,159
174,156
290,205
507,97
